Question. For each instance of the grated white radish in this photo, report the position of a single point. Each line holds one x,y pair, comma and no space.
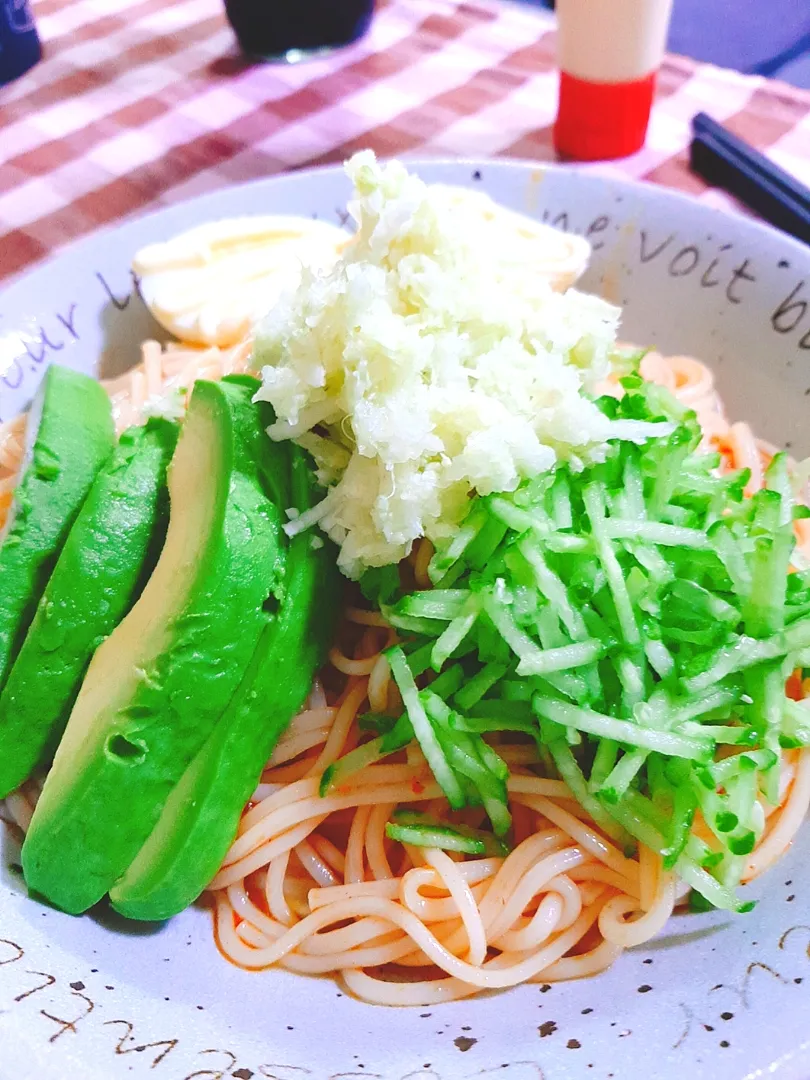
430,362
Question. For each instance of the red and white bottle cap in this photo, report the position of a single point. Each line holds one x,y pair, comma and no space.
602,120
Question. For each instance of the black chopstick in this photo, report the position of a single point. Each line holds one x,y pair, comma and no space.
727,161
703,124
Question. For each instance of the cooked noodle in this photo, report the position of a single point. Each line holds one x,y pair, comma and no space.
314,885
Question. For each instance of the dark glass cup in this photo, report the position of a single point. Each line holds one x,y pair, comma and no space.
19,44
293,30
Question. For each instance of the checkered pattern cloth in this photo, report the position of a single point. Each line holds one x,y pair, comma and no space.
140,103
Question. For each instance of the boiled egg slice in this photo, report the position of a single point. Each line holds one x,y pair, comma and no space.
212,284
543,251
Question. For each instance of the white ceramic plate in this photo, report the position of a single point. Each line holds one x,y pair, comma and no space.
715,996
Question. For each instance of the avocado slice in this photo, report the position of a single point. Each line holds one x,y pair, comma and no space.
201,816
157,686
105,562
69,436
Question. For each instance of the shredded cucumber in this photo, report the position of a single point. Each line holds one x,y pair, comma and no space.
631,617
421,830
423,729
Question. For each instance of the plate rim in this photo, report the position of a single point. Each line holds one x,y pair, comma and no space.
415,162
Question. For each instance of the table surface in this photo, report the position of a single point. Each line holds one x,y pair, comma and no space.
140,103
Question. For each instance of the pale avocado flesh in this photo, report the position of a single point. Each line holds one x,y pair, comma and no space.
157,686
201,816
69,436
107,557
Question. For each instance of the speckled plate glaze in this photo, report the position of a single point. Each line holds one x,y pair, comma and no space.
714,997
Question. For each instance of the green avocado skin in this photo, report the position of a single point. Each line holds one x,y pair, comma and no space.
202,814
157,686
105,562
70,436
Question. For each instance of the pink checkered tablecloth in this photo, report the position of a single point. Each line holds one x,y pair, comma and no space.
139,103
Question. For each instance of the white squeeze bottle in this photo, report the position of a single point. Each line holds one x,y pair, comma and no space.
609,52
